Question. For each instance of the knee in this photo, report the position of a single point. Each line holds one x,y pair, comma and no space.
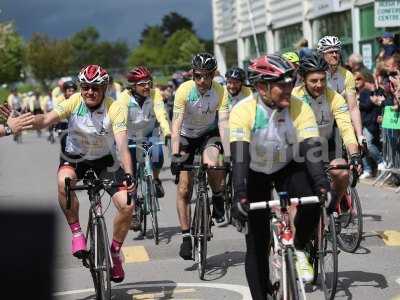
183,190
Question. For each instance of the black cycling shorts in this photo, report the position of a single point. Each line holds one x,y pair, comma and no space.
191,146
104,167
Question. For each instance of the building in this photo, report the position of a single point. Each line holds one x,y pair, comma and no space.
245,28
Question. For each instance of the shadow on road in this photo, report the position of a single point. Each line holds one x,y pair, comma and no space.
375,218
165,234
350,279
218,265
161,290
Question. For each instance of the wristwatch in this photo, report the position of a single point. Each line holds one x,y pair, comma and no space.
7,130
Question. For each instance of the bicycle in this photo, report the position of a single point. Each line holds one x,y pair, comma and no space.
348,215
201,221
286,282
147,202
98,258
228,194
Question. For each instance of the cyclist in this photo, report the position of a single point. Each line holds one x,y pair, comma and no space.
14,101
146,113
199,122
94,123
68,88
265,131
235,79
340,79
329,107
294,59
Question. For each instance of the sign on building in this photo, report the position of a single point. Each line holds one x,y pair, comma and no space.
387,13
323,7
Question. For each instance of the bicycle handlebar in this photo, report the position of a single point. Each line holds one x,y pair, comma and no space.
94,183
195,167
277,203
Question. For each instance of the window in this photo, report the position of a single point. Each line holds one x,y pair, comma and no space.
230,52
289,35
251,51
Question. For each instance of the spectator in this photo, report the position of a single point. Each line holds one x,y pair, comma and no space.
365,86
389,47
302,47
355,62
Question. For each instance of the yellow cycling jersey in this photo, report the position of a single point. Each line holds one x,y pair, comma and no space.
342,81
329,107
271,133
91,133
199,111
56,92
143,120
233,100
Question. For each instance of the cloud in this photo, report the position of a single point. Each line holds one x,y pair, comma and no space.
114,19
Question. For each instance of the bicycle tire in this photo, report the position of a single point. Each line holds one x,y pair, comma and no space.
351,229
153,209
203,224
292,288
91,259
228,198
328,251
143,204
103,268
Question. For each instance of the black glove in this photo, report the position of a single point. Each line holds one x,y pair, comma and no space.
240,209
355,162
176,163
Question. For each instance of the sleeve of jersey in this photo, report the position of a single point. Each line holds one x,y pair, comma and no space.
303,120
118,116
65,108
343,120
240,120
160,112
224,100
350,84
180,99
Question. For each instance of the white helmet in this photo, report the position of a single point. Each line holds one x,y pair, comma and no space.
328,43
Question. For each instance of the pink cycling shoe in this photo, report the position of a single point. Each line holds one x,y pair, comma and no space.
117,272
79,245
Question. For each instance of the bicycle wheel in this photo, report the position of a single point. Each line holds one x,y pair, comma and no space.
91,257
350,223
203,229
103,267
276,266
153,207
143,204
291,275
228,195
328,257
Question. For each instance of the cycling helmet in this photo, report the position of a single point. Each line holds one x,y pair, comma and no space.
69,85
312,63
328,43
236,73
270,68
137,74
93,74
292,57
204,61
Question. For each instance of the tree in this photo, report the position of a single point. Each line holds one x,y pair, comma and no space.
48,59
180,48
84,46
11,53
173,22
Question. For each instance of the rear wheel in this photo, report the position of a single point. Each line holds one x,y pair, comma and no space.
350,222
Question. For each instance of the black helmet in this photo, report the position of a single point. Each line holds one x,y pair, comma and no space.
69,85
236,73
312,63
204,61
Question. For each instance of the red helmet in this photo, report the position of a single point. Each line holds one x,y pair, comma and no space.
93,74
270,67
138,74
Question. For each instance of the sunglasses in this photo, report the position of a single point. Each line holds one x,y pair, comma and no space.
206,76
144,83
87,87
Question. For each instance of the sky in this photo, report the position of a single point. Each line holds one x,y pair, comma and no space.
114,19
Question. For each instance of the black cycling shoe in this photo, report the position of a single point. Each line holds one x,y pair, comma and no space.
218,209
186,248
158,188
135,223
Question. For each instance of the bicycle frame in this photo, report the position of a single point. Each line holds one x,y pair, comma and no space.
282,234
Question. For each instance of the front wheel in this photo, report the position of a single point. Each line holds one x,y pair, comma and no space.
350,222
153,205
202,232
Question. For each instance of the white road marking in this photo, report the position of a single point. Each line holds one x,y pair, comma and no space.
240,289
